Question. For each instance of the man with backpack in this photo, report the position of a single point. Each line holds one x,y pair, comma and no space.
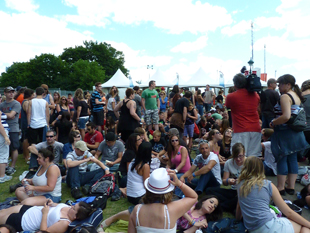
77,174
245,118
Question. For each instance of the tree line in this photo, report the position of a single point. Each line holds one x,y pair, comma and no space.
81,66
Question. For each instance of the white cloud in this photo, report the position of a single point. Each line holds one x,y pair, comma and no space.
175,16
29,34
240,28
21,5
187,47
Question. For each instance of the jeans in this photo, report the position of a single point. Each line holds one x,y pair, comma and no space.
287,165
266,121
75,178
200,184
268,170
200,109
208,106
122,182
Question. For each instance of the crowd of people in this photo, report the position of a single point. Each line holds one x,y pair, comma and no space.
171,153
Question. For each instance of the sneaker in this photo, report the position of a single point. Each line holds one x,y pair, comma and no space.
10,171
85,189
5,178
76,193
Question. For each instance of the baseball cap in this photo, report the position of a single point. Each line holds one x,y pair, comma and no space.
81,145
110,137
7,89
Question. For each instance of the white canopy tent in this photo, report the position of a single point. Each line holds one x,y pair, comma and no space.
201,79
160,78
119,80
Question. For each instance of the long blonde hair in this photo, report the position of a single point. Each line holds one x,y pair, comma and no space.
252,174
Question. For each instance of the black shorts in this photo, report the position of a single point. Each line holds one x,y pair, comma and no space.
98,118
14,137
15,219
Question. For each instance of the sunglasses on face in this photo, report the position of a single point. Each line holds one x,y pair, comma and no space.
138,139
78,136
174,140
217,133
48,136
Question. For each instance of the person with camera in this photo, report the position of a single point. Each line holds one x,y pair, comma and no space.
245,118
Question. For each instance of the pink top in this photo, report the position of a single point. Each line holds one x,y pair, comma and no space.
176,160
182,222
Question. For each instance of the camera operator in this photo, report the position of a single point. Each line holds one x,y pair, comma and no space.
245,118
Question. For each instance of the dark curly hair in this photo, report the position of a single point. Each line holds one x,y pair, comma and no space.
216,214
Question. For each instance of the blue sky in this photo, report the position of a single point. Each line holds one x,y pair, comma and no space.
175,36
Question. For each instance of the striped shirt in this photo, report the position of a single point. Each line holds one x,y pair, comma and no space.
96,107
3,121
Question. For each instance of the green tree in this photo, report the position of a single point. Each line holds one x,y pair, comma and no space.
104,54
17,74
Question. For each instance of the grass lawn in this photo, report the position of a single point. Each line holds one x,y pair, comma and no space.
111,209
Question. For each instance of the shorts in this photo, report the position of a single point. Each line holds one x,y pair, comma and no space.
98,117
189,130
54,199
82,122
14,137
16,218
151,116
25,133
282,225
4,149
251,142
163,110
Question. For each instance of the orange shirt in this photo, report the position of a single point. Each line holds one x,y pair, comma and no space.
20,99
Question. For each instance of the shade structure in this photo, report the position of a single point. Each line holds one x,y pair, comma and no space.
160,78
201,79
119,80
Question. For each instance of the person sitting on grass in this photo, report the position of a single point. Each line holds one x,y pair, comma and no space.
77,175
52,217
45,184
158,143
206,209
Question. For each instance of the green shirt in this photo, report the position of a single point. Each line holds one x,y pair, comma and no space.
217,116
151,97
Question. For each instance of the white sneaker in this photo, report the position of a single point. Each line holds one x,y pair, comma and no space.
5,178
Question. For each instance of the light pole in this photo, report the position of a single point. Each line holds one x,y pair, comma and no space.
149,67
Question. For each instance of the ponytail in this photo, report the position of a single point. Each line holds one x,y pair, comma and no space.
298,92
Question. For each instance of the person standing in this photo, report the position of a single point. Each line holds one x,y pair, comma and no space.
97,105
138,100
11,108
245,119
151,105
208,98
4,148
48,97
269,98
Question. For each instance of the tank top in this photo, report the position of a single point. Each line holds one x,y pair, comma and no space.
31,220
47,99
176,160
42,181
294,107
143,229
190,121
23,118
135,186
126,121
38,117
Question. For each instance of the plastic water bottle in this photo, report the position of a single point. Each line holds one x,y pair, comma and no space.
25,184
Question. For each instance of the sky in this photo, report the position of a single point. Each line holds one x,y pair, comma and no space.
174,36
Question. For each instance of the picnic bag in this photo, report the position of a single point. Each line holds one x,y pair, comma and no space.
305,179
104,186
225,225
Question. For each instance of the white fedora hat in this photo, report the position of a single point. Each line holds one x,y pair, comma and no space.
158,182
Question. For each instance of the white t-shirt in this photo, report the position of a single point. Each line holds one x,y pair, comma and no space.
269,158
110,101
199,161
234,170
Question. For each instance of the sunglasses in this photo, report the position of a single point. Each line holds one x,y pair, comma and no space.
139,139
47,136
217,133
63,99
78,136
174,140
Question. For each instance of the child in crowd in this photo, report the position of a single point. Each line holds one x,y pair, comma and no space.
270,164
158,143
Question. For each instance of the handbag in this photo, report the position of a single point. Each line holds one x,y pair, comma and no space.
297,122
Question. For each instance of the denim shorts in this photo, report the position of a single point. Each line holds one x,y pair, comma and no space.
189,130
54,199
82,122
4,149
282,225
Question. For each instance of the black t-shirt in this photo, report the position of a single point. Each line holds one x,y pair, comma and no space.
224,152
204,128
180,104
269,98
171,95
158,146
219,99
64,129
128,156
84,109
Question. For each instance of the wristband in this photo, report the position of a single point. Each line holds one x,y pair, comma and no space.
193,222
176,171
106,169
227,181
194,174
271,123
181,185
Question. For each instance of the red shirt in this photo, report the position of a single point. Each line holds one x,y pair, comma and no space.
243,105
93,138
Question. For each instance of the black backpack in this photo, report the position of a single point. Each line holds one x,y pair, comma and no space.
253,83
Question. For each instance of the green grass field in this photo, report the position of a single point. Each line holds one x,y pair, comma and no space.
111,209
